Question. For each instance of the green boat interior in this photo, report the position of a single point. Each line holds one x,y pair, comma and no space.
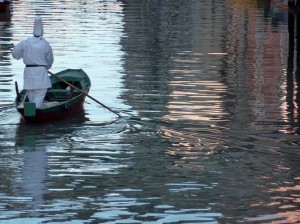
62,92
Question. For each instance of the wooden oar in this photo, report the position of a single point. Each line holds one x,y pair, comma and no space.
17,92
74,87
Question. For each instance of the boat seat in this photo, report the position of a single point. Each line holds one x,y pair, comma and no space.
50,104
62,91
61,95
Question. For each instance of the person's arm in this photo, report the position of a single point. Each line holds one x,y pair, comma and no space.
49,57
18,50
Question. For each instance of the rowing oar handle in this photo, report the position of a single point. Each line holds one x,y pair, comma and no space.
17,92
74,87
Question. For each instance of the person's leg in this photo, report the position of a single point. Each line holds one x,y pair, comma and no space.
39,95
30,95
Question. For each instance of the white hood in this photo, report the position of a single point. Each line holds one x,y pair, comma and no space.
38,27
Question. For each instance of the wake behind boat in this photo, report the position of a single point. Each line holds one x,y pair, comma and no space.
61,100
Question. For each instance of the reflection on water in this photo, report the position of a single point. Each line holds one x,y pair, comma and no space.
5,45
209,129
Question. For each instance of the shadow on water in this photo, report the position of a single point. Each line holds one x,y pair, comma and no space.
293,72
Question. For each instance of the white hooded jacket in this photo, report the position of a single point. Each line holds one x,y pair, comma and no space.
35,51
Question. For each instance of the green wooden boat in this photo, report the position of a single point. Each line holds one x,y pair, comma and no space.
67,95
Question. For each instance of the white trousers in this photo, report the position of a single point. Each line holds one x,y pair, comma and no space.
36,96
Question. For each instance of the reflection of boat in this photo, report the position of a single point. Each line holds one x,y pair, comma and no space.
60,101
4,5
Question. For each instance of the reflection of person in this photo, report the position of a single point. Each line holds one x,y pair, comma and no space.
34,166
38,57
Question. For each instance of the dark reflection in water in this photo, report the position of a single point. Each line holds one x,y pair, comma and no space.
209,131
5,40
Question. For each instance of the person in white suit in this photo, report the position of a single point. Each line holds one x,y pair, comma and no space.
38,57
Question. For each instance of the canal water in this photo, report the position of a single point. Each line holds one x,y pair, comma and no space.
209,101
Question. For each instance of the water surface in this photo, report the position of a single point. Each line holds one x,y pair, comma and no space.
209,105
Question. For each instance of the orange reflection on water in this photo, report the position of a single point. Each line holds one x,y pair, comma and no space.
195,100
243,3
282,217
284,189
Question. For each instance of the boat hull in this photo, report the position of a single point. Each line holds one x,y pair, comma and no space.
63,108
55,113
